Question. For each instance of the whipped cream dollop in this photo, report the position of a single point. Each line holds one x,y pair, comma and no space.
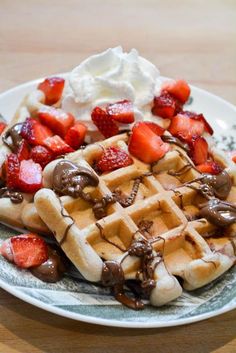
107,78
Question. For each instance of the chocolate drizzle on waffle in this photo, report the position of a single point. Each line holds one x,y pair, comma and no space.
129,200
12,137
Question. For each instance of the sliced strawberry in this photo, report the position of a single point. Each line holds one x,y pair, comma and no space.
178,89
164,106
41,155
12,166
30,176
2,126
25,251
233,156
185,128
75,135
23,151
210,167
57,146
34,132
56,119
199,150
113,158
104,122
122,111
52,87
157,129
199,117
145,145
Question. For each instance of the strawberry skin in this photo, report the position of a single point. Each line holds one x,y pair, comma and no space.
30,176
121,111
34,132
23,151
164,106
113,158
12,171
41,155
199,117
75,135
57,146
52,87
26,250
2,126
145,145
157,129
185,128
104,123
210,167
199,150
56,119
179,89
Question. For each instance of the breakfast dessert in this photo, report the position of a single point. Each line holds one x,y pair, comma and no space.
108,170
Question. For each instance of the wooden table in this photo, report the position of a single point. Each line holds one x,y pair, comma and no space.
194,40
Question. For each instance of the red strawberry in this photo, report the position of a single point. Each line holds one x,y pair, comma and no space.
30,176
146,145
178,89
199,150
41,155
34,132
185,128
210,167
164,106
12,166
2,126
199,117
23,151
57,146
56,119
25,251
159,131
233,156
104,123
121,111
113,158
52,87
75,135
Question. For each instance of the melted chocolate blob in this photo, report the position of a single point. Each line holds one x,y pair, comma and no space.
12,137
220,213
220,184
176,141
15,196
51,270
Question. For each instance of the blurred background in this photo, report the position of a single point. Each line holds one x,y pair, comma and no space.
191,39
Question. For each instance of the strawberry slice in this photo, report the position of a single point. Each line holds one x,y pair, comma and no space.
30,176
179,89
146,145
56,119
34,132
75,135
199,150
25,251
2,126
113,158
41,155
12,167
185,128
164,106
23,151
57,146
210,167
122,111
52,87
233,156
157,129
199,117
104,123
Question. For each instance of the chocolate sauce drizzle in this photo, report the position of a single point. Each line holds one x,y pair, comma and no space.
218,212
176,141
12,137
15,196
106,239
129,200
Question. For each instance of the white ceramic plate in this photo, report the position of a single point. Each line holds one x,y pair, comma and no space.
83,301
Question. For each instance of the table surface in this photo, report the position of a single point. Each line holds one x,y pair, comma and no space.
194,40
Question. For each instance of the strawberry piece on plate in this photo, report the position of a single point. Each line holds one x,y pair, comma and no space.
23,151
25,251
41,155
57,146
179,89
121,111
210,167
113,158
34,132
75,135
12,166
145,145
52,87
30,176
2,126
185,128
233,156
56,119
199,117
199,150
164,106
104,122
157,129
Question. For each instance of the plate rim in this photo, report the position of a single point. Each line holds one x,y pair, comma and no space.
95,320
